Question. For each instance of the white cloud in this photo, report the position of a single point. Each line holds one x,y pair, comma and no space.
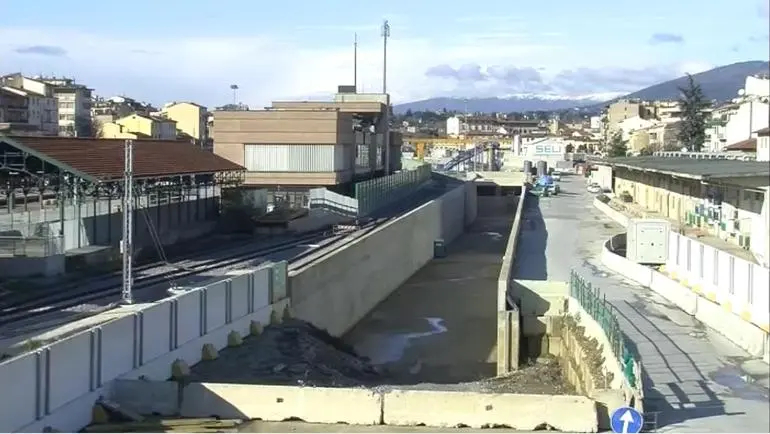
158,67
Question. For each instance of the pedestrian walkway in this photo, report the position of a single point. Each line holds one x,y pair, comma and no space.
695,380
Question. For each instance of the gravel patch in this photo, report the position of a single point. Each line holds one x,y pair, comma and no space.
297,353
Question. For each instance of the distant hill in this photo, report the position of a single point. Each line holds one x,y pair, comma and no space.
494,105
719,84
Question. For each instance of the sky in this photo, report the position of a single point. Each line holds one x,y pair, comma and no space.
158,51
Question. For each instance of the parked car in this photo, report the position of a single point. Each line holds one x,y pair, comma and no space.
594,188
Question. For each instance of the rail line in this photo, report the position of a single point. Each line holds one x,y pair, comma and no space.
59,301
9,303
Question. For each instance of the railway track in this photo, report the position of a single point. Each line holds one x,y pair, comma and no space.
9,303
63,300
31,309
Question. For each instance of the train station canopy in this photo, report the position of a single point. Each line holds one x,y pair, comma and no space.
102,160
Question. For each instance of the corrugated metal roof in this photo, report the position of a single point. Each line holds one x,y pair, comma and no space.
103,159
694,167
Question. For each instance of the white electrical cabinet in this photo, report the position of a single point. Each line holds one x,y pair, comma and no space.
647,241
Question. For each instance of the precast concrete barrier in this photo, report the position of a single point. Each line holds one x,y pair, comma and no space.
737,285
568,413
721,318
508,317
57,384
335,291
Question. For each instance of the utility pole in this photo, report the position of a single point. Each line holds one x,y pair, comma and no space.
386,138
128,212
355,61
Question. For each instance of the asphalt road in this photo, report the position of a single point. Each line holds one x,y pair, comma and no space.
695,379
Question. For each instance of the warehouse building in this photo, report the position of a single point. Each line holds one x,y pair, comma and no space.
724,198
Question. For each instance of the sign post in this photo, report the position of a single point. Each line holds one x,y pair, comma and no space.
626,420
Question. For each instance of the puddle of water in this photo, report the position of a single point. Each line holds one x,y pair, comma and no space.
736,381
389,348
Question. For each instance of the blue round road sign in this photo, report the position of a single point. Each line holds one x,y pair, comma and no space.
626,420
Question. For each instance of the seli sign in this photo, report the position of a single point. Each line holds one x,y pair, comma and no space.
548,150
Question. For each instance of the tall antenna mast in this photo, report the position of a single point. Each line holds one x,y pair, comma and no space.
355,61
386,120
385,36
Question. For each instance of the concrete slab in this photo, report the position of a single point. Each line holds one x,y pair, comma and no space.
440,325
295,426
567,413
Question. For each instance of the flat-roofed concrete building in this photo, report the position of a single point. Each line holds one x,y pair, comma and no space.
309,143
287,147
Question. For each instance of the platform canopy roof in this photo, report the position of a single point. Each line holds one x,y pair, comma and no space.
102,160
694,168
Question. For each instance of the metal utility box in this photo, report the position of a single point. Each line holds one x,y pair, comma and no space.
647,241
439,249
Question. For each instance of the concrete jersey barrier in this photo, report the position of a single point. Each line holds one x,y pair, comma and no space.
57,384
685,283
739,331
389,406
736,284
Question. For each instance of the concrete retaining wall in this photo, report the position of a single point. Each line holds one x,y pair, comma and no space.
741,332
362,406
508,322
22,266
339,289
58,384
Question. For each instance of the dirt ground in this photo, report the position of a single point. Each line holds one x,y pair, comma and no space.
293,353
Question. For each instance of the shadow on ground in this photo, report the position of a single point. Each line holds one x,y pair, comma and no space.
530,261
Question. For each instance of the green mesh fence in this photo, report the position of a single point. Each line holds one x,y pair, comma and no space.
596,305
376,193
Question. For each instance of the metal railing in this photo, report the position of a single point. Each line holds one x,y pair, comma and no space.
31,247
596,305
376,193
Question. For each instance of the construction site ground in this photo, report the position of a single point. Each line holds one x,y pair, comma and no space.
437,331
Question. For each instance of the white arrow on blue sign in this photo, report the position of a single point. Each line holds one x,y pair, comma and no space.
626,420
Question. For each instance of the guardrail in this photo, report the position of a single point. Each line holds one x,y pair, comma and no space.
600,310
376,193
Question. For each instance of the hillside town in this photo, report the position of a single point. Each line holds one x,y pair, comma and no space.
644,126
55,106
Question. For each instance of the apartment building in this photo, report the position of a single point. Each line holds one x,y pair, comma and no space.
657,136
139,126
457,126
42,110
191,119
14,110
74,104
737,120
763,144
621,110
664,111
